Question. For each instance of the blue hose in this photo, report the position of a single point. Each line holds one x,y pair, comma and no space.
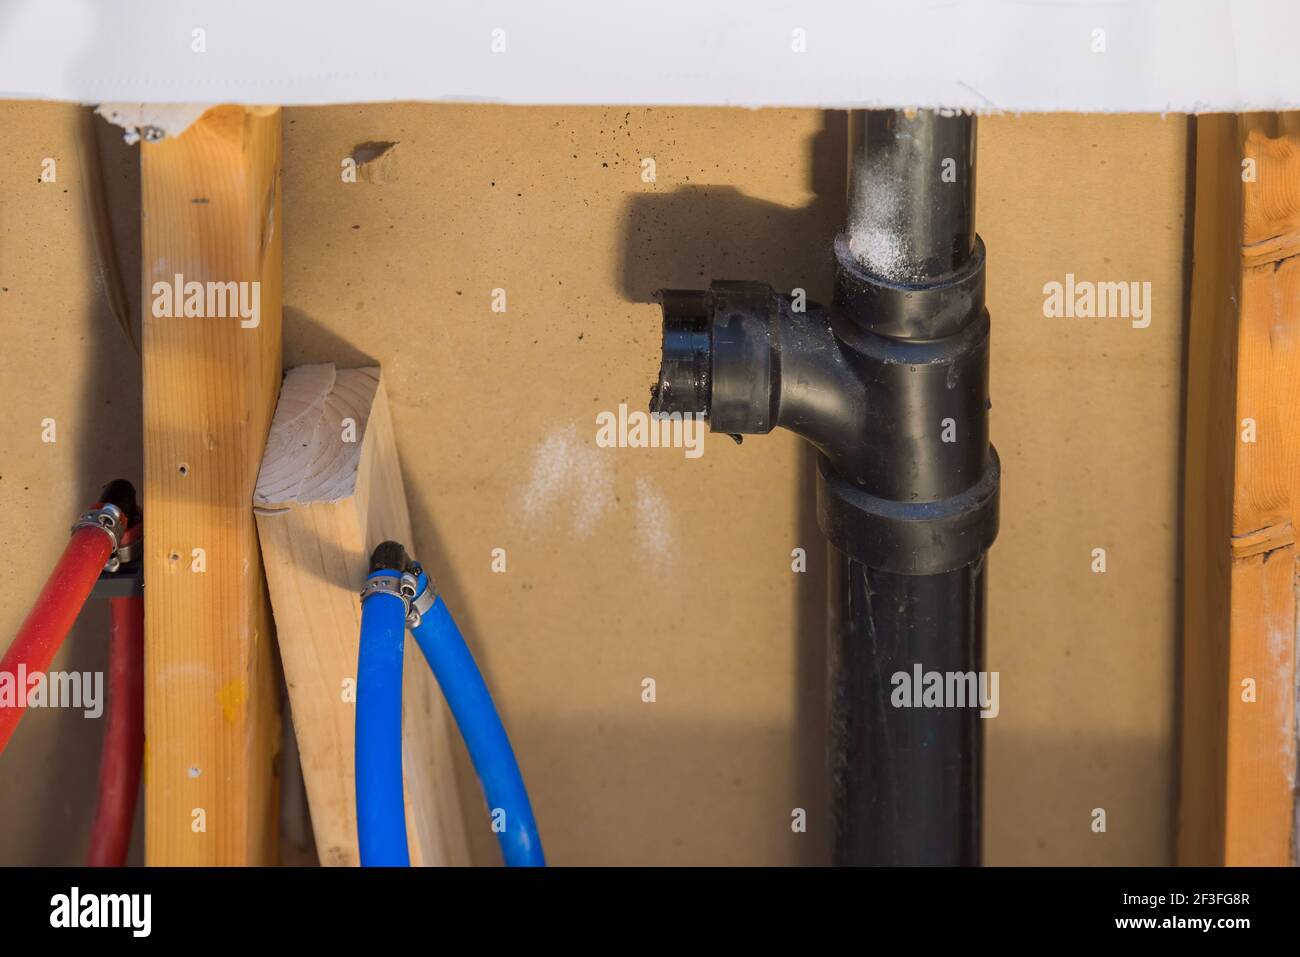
381,815
489,748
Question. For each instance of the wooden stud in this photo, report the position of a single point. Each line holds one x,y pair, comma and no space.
210,207
329,491
1242,495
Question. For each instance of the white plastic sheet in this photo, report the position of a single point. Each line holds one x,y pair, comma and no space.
1012,55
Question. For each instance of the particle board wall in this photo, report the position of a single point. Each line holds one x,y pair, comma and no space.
64,359
630,563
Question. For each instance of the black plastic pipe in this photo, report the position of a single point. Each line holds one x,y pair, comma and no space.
911,211
907,782
891,386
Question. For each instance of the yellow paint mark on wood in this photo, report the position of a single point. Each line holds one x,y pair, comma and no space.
231,697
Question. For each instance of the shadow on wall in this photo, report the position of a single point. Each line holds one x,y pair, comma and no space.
695,234
59,747
1036,814
314,342
1079,800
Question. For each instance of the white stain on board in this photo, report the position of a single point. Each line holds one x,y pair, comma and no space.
653,519
574,482
571,477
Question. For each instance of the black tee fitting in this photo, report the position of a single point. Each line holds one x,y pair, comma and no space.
740,355
891,387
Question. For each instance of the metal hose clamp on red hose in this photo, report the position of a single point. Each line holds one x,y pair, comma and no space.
108,518
117,515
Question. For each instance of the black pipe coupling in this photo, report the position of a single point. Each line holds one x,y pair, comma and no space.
890,385
740,355
390,556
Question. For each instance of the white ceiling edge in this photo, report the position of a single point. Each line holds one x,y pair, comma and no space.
1161,56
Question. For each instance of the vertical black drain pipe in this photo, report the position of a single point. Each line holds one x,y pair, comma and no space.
907,782
891,385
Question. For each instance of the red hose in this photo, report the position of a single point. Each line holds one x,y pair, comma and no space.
119,767
51,617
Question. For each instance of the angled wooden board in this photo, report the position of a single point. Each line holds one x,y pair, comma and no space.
331,489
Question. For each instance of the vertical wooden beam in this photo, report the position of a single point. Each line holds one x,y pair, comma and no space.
210,207
1242,494
330,490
